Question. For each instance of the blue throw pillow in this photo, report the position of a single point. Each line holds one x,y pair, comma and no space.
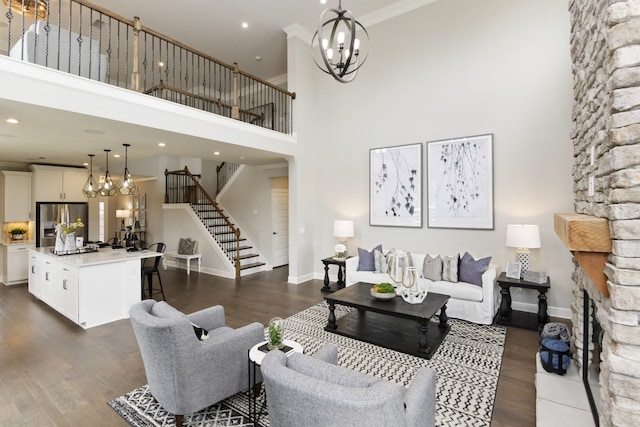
366,260
471,271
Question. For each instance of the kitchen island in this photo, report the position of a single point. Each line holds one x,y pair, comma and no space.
91,289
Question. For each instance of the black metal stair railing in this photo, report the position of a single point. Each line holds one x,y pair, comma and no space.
84,39
182,186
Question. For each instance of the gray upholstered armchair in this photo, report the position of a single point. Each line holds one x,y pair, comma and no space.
313,391
184,373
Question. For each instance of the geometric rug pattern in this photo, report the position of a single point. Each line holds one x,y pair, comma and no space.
467,363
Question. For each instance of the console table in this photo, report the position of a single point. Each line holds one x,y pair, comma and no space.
342,274
520,319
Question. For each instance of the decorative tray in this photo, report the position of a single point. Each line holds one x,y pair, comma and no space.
84,250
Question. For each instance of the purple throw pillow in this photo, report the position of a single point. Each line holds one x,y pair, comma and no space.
471,270
366,260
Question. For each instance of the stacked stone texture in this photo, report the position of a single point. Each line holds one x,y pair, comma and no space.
605,49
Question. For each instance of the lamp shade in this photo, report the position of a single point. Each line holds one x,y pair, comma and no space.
123,213
342,228
523,236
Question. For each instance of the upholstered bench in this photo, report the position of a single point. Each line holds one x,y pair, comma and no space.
186,257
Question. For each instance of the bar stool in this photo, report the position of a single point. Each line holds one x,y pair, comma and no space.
149,270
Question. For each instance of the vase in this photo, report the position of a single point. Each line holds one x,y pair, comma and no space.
70,242
275,339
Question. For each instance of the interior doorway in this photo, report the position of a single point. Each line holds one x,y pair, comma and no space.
280,226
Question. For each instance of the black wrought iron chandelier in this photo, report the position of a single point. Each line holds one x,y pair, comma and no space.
126,187
341,44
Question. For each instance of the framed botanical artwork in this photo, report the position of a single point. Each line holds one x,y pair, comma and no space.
395,186
143,201
514,270
460,183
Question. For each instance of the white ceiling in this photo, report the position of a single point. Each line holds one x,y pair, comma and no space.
211,26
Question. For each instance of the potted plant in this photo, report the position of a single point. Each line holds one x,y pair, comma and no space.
17,233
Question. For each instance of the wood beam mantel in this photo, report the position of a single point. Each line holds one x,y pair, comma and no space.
589,240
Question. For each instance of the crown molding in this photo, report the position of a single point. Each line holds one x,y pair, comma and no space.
391,11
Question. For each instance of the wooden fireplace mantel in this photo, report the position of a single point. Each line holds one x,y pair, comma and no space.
588,239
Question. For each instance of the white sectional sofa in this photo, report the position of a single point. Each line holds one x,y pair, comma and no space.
468,302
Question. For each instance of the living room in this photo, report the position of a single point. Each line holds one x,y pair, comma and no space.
500,68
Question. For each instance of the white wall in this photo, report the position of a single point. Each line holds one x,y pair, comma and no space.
449,69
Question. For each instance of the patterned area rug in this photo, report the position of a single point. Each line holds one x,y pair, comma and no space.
467,362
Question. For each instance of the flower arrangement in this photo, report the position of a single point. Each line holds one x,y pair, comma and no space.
18,230
71,227
340,250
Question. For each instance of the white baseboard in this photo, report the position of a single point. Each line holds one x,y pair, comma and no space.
563,313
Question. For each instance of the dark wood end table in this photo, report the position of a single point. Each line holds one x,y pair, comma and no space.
342,274
393,323
519,319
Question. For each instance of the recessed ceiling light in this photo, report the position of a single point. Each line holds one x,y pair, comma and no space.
323,1
85,164
258,58
161,144
160,64
13,121
116,155
245,25
216,153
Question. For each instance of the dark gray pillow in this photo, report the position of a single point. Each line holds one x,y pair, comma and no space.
450,268
366,260
432,268
471,270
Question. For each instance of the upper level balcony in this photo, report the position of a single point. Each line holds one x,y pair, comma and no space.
83,39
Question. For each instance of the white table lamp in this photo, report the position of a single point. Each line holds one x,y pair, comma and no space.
123,213
343,229
523,237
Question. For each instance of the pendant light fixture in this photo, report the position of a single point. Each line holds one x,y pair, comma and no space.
341,44
126,187
90,187
107,188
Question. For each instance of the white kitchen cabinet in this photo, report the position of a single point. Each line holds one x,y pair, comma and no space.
36,262
49,289
58,184
68,292
15,263
16,196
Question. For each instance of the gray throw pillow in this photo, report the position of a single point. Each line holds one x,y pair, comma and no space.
432,268
471,270
187,246
380,261
450,268
366,260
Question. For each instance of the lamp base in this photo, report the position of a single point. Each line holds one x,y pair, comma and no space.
524,258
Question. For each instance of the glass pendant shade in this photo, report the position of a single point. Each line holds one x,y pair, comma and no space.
90,188
107,188
126,187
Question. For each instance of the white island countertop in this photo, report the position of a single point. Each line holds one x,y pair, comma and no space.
103,256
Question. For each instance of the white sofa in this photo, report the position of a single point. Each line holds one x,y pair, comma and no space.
39,48
468,302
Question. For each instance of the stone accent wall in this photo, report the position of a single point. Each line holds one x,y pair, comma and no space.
605,49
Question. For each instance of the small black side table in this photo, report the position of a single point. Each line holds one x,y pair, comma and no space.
520,319
342,274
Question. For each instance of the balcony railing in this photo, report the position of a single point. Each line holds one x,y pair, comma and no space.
87,40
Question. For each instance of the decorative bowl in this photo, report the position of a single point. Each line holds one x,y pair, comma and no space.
383,296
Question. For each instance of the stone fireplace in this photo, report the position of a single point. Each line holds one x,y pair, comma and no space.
605,50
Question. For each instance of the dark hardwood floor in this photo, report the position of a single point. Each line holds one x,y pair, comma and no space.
54,373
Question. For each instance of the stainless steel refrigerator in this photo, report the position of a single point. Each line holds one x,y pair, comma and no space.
48,215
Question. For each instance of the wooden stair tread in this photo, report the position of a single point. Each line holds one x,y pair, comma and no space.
247,256
252,265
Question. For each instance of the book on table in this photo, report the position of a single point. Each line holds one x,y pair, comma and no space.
286,349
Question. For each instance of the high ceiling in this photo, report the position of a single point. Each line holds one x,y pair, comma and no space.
210,26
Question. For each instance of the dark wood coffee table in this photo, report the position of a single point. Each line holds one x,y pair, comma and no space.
393,323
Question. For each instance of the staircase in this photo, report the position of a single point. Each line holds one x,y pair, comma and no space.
183,187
